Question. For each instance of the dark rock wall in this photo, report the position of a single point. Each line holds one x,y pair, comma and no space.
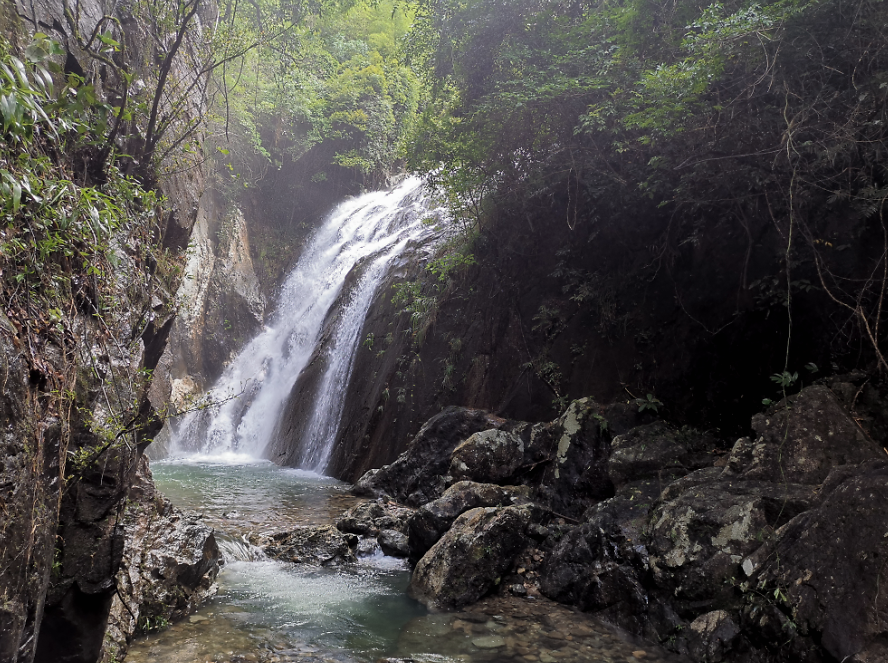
169,565
552,313
64,481
30,489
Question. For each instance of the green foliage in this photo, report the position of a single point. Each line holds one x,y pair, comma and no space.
717,116
336,78
785,379
419,307
151,624
650,402
54,225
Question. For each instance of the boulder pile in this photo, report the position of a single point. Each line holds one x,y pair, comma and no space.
770,549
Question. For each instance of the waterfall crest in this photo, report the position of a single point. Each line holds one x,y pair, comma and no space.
335,279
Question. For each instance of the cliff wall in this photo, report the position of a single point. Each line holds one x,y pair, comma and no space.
78,349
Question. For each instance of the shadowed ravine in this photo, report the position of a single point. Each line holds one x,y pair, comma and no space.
272,610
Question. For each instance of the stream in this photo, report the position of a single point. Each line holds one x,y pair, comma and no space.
270,611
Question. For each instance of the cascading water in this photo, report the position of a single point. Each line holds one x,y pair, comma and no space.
269,610
365,235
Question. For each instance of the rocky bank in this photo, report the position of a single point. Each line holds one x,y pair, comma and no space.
78,405
768,549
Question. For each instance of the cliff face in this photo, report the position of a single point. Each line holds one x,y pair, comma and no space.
75,405
244,243
551,313
220,306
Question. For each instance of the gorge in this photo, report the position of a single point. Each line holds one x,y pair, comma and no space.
586,362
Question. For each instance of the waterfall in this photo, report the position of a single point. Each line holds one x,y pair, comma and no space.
362,238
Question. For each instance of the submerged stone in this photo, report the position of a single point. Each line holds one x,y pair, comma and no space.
489,642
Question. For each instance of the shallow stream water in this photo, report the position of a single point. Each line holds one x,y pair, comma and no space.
270,611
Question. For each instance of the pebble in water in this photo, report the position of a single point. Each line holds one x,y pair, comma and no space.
507,628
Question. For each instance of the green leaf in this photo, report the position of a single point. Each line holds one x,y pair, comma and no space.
106,38
16,196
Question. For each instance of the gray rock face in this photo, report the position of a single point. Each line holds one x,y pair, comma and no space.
802,440
417,476
470,558
829,566
656,451
370,518
321,545
169,567
566,459
576,470
431,520
614,582
393,542
712,636
491,455
361,518
700,536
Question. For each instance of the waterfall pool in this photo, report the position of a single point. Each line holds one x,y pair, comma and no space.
269,611
269,606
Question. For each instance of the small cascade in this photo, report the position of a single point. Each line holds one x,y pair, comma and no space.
324,299
239,549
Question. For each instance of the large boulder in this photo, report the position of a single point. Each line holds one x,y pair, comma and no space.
801,439
418,475
655,451
702,531
169,567
713,637
432,520
491,455
826,569
471,558
394,543
316,545
602,564
371,517
576,472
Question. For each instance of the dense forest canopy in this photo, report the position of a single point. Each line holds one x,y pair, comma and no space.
751,135
677,129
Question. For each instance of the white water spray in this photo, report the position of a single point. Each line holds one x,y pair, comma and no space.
368,232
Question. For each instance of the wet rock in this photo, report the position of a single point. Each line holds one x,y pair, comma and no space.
711,636
518,589
431,520
470,558
491,456
393,542
170,563
656,451
602,565
829,564
360,519
576,475
699,537
417,475
321,545
370,518
489,642
801,440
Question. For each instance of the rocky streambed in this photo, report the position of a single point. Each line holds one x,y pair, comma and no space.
770,548
606,535
315,574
